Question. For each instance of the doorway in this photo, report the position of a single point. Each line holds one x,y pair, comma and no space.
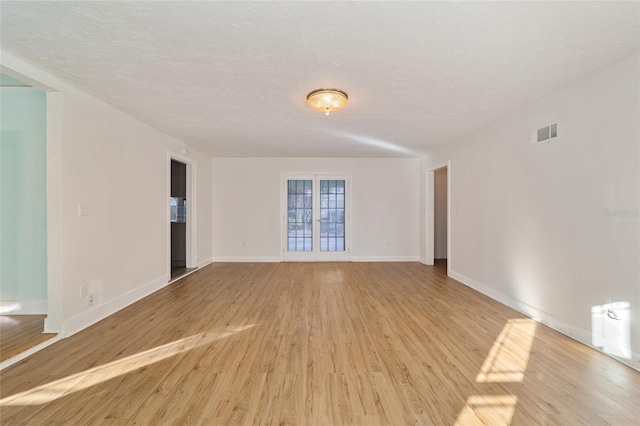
24,263
180,219
440,217
438,214
316,217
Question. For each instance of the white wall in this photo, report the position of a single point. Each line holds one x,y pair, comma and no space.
440,213
118,166
532,224
246,197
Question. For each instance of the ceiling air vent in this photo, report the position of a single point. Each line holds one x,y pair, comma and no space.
545,134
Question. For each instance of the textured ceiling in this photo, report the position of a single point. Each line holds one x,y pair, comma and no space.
231,78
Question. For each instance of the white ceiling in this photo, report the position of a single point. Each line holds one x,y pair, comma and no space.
231,78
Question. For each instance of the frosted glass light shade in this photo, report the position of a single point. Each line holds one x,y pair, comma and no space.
327,100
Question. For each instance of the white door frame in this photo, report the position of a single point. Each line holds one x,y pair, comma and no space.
53,323
55,280
315,255
190,207
430,213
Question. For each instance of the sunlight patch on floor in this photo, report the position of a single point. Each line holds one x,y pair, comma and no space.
94,376
487,410
508,358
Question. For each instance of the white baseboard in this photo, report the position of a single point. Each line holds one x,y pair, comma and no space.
577,333
423,260
257,259
205,262
260,259
100,312
22,355
384,258
25,307
79,322
52,326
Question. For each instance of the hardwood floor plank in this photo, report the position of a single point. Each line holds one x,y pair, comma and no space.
318,344
19,333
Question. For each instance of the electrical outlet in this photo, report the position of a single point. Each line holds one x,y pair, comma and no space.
83,291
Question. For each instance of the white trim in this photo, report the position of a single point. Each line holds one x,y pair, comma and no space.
196,269
430,213
114,305
40,80
22,355
20,89
191,225
252,259
186,274
22,71
192,205
449,262
334,256
205,262
302,256
579,334
438,166
55,249
316,255
25,307
384,258
429,217
79,322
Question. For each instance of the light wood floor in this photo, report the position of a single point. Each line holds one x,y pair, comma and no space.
21,332
319,344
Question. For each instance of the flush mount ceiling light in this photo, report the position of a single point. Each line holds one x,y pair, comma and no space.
327,100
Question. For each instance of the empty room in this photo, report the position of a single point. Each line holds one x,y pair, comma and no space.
319,213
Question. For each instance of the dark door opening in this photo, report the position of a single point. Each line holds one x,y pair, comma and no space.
178,218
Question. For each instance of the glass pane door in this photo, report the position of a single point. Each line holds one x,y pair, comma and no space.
300,215
316,217
332,215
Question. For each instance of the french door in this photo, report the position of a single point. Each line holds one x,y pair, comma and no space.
315,219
